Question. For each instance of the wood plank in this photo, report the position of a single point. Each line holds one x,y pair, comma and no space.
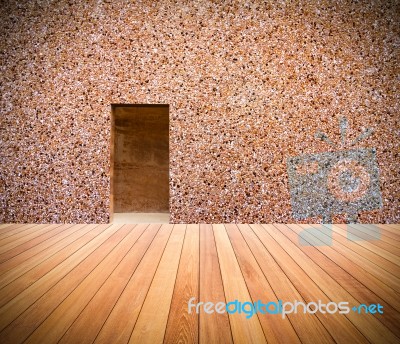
347,281
36,235
374,229
89,322
276,329
395,228
76,261
11,261
182,327
395,231
11,229
29,320
286,291
243,329
50,233
57,323
358,232
369,326
310,290
343,256
52,289
363,258
21,277
119,325
151,323
21,233
388,228
375,248
372,253
215,327
5,225
387,236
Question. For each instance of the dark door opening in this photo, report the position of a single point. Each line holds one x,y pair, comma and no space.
140,159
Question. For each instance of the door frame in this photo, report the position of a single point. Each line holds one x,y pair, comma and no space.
112,148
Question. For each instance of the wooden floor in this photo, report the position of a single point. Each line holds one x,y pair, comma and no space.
132,283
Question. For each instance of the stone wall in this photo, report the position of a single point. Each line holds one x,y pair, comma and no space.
249,83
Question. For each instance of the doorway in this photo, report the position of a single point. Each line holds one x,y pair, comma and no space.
139,163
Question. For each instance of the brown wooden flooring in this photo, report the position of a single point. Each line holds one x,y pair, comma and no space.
131,283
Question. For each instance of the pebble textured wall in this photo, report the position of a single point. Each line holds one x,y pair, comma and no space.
249,83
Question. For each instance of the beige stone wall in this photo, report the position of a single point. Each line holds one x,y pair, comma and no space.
248,86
